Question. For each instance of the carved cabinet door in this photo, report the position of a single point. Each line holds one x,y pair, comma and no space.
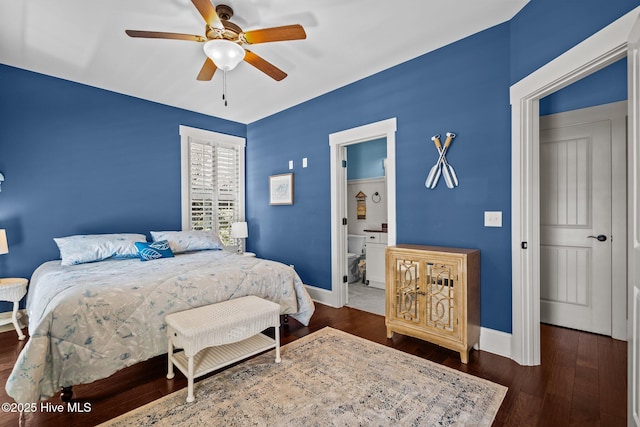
407,304
442,301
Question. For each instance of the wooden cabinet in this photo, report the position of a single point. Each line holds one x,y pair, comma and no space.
433,293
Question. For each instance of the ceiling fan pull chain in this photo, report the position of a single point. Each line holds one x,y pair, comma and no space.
224,87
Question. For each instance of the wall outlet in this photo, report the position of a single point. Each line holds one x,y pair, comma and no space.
290,164
304,162
493,218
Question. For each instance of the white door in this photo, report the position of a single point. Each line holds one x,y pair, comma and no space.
575,225
633,343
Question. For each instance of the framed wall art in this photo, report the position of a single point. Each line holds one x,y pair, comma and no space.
281,189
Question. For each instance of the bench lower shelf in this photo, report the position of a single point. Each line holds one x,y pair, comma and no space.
212,358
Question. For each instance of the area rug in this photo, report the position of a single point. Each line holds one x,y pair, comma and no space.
329,378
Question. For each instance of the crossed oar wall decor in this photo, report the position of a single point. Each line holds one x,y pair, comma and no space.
442,167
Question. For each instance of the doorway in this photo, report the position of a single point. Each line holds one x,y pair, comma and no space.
338,143
366,220
601,49
582,219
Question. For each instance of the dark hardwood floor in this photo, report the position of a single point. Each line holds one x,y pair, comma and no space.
582,379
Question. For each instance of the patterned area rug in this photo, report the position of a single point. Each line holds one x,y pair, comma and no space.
329,378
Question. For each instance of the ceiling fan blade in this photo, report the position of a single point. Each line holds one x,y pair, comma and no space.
264,66
207,70
275,34
208,12
163,35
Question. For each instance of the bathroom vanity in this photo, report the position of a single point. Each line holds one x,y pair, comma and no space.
376,245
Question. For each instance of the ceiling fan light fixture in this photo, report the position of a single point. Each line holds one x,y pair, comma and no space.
224,53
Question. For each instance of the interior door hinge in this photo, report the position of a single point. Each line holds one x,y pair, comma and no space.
344,163
345,279
344,221
523,245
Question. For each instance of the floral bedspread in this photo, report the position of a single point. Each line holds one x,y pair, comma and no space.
88,321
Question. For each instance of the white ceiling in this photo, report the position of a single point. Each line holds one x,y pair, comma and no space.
347,40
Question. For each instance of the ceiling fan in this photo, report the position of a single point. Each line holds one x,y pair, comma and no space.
224,40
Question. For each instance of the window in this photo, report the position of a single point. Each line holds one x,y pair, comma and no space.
212,181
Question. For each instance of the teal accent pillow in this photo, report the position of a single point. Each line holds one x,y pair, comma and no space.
154,250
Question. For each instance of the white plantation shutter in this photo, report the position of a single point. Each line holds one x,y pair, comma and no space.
201,186
214,184
227,176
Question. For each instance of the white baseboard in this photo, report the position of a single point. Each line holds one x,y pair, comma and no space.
492,341
496,342
323,296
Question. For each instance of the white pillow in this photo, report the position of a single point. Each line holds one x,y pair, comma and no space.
186,241
84,248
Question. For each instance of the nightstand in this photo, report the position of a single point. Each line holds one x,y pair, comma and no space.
13,289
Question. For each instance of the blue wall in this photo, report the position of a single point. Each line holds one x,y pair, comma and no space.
605,86
544,29
83,160
462,88
365,160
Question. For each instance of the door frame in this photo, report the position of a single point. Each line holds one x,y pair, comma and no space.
616,114
338,142
596,52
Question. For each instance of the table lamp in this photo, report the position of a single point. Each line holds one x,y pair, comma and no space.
4,247
239,231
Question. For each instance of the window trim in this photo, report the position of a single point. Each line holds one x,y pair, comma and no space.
186,134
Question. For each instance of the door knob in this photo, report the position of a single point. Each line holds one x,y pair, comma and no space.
600,237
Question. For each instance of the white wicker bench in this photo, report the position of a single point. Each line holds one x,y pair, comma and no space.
218,335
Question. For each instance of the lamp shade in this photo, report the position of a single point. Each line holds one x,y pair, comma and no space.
239,230
224,53
4,247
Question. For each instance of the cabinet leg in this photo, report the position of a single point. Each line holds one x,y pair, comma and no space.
464,357
66,394
389,333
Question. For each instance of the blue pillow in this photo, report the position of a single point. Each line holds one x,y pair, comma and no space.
154,250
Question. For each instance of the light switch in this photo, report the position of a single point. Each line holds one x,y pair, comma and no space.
304,162
493,218
290,164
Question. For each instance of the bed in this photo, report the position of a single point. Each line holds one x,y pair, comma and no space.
88,321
